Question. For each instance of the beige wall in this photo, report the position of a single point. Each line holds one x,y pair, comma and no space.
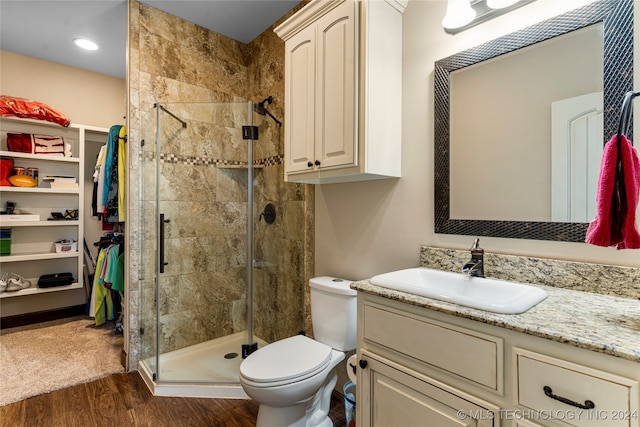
86,97
370,227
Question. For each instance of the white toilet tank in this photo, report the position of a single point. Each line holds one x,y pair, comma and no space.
333,312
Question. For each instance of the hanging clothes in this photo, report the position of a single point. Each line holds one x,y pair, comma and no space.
106,172
108,281
96,180
102,301
122,168
110,196
110,178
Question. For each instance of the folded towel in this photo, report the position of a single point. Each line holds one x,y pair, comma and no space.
617,198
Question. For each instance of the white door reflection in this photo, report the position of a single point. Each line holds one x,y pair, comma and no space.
576,152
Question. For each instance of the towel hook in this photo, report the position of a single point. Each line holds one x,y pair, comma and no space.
625,114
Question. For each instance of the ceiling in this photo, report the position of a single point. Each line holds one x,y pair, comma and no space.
45,29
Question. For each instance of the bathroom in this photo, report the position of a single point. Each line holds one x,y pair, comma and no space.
357,230
364,228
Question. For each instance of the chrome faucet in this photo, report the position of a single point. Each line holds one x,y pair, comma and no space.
475,266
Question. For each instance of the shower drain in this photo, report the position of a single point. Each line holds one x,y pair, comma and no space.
231,355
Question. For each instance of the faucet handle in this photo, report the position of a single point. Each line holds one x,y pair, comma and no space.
476,244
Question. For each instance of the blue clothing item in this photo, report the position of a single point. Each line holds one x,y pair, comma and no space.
114,269
110,153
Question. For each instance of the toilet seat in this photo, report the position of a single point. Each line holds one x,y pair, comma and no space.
285,361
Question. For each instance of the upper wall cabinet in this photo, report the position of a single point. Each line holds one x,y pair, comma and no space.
343,91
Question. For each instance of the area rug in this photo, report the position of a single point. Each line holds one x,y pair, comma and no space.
44,357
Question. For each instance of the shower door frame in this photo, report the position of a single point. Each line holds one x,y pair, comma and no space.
223,389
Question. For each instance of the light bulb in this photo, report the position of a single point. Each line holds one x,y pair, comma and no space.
459,14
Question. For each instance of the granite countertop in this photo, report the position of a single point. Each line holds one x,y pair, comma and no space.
601,323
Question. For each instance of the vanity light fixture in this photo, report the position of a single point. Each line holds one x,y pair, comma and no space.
85,44
459,14
464,14
499,4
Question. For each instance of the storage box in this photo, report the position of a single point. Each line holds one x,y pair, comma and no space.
5,241
66,247
19,217
5,246
52,280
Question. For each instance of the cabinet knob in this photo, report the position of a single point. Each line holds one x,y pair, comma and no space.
363,364
309,164
317,162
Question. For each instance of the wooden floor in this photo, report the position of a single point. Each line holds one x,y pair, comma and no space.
123,400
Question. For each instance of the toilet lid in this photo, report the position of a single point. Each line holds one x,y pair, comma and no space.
288,358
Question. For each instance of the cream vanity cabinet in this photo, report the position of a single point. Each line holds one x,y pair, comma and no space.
343,91
419,367
33,250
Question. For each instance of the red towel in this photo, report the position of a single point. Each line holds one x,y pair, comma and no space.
617,198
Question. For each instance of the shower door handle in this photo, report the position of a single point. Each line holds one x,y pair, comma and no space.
162,261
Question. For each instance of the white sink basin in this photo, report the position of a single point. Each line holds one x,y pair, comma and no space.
493,295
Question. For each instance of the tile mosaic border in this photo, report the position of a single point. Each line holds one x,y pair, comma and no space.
173,158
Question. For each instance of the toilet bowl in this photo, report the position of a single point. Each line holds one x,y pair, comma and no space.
292,379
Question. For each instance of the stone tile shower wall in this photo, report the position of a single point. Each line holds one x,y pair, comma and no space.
203,292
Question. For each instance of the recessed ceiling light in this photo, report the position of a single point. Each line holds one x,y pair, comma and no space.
85,44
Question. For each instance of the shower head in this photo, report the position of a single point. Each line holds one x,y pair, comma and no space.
262,110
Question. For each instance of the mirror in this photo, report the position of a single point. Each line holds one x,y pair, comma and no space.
611,21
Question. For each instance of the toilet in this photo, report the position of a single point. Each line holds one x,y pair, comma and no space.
292,379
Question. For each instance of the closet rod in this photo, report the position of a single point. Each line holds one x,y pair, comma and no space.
184,124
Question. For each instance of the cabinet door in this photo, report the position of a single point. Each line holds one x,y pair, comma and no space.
393,396
336,87
300,95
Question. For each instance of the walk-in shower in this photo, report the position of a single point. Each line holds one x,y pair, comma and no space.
217,281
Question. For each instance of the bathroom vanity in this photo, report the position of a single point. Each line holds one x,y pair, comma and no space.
573,359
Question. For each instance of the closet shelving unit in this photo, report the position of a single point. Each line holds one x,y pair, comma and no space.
33,242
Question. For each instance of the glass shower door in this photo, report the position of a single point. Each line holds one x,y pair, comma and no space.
195,241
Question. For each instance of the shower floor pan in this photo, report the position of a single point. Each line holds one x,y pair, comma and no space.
208,369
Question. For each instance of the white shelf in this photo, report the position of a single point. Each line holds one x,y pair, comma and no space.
16,223
38,256
40,157
32,241
39,190
35,290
